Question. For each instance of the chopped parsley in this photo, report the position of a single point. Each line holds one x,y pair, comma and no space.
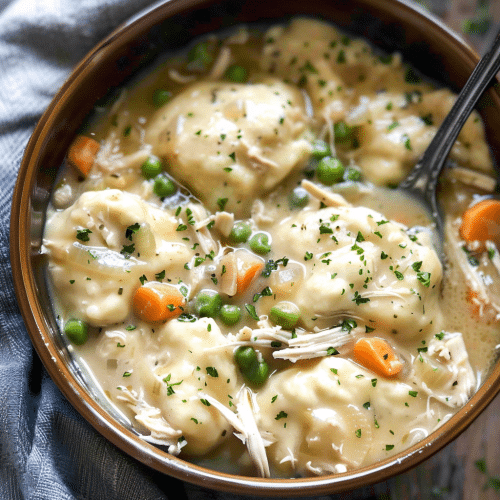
424,278
407,142
83,234
131,230
170,385
160,276
251,310
127,250
272,265
221,202
266,292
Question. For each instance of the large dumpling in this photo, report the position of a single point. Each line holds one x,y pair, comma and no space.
361,265
332,415
230,143
102,244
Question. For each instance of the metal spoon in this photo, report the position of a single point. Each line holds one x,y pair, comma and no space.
422,181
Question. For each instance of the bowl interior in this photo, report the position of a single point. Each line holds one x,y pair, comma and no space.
391,25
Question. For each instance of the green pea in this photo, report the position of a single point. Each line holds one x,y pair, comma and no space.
259,374
230,314
151,167
259,243
236,73
320,149
208,303
298,198
245,357
240,232
330,170
76,331
163,186
285,314
253,370
342,132
200,55
161,97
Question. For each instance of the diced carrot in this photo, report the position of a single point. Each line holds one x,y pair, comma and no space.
82,153
157,302
240,269
481,222
377,355
248,268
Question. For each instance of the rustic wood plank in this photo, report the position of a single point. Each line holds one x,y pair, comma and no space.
481,442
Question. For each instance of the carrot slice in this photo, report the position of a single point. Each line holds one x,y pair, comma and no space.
82,153
248,267
481,222
377,355
159,302
240,269
247,272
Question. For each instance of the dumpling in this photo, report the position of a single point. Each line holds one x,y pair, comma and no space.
361,265
197,357
102,244
230,143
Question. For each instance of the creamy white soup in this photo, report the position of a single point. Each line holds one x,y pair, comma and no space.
230,261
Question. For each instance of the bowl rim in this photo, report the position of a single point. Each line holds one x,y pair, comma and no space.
22,269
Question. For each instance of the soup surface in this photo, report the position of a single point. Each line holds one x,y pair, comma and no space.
230,262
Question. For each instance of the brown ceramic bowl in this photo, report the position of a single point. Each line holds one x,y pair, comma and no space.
390,24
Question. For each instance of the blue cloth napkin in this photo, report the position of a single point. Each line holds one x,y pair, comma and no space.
47,450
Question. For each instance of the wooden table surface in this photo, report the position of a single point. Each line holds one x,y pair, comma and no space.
469,467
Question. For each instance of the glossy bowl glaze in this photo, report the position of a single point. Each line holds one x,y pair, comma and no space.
393,25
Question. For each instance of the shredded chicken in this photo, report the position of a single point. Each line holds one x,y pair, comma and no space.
328,198
110,161
177,77
150,417
245,423
457,376
473,278
265,335
221,64
473,178
314,345
205,238
247,411
223,221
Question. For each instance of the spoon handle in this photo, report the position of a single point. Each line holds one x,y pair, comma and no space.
423,178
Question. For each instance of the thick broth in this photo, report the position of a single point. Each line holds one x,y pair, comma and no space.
248,132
